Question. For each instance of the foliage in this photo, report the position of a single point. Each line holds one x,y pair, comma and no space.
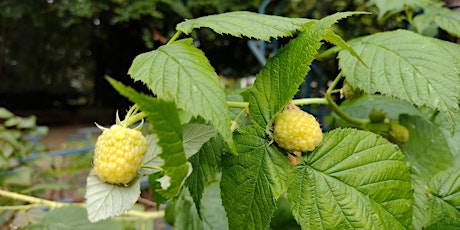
211,162
365,175
15,147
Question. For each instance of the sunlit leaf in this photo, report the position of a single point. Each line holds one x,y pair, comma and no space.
352,180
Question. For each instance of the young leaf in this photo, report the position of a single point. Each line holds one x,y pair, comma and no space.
166,125
408,66
335,39
206,165
352,180
248,24
105,200
278,81
182,71
252,181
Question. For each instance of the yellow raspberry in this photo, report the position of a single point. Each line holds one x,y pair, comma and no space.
296,130
118,154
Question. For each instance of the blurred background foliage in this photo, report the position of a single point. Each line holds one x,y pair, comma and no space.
55,53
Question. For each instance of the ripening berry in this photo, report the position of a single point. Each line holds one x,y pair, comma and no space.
118,154
296,130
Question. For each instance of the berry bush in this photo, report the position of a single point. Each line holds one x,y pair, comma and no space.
224,160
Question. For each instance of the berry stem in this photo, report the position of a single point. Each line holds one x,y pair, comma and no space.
174,37
336,108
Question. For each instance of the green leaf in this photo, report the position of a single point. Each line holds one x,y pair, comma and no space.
5,114
195,135
248,24
166,125
252,181
105,200
182,71
213,213
389,7
71,218
449,21
408,66
446,186
278,81
335,39
206,165
426,144
352,180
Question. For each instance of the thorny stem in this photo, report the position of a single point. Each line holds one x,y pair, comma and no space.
336,108
36,202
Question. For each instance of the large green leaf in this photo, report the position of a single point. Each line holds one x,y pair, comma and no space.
182,71
252,181
244,23
426,150
166,125
105,200
71,218
278,81
408,66
206,165
352,180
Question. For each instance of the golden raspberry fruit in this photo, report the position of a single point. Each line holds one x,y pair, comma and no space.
296,130
118,154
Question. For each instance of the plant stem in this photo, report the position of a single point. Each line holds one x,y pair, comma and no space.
175,37
36,202
152,167
31,199
336,108
302,101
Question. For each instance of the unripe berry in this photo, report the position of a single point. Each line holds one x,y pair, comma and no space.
349,92
398,134
118,154
296,130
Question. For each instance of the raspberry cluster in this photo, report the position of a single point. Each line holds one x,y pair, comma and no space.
118,154
296,130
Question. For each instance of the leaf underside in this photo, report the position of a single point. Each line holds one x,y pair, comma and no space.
353,180
106,200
